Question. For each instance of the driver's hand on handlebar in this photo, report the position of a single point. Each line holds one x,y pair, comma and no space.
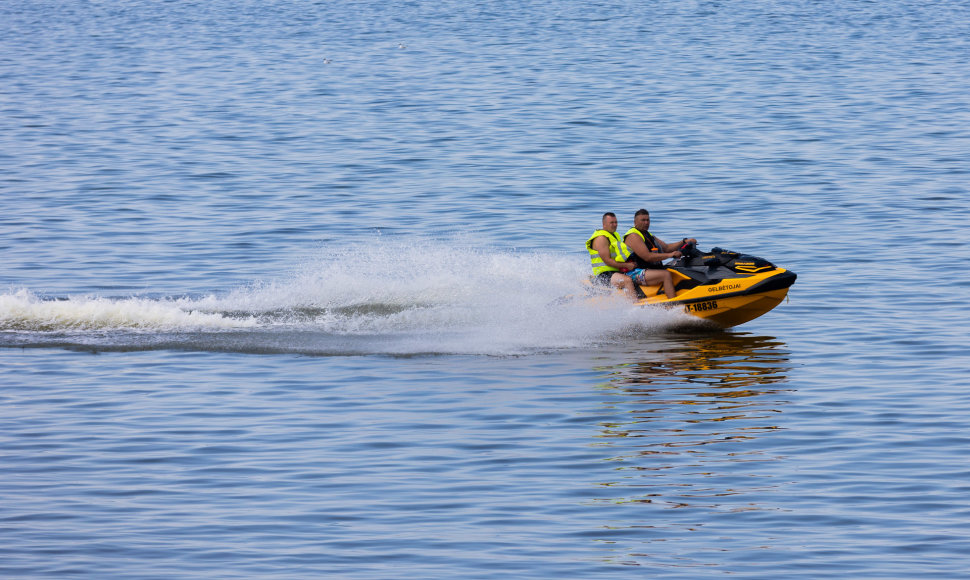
675,254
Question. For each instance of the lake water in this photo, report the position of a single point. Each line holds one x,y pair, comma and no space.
280,280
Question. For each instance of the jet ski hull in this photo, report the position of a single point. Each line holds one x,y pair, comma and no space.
723,295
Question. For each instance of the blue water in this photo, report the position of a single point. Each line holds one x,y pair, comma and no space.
280,290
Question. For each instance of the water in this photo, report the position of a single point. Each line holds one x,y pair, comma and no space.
280,294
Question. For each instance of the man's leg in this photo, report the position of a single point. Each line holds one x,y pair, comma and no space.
651,277
623,282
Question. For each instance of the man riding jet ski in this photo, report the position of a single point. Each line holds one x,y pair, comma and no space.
648,254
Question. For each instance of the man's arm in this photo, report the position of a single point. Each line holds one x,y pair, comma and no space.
602,247
674,246
639,248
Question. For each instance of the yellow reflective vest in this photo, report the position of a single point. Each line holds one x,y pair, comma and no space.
618,251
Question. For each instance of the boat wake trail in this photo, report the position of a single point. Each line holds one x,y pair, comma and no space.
493,303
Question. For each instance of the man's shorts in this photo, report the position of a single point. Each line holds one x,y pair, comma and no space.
637,275
603,278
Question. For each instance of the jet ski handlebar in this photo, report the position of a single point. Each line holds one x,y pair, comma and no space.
688,250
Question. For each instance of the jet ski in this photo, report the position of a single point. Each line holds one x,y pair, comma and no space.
721,286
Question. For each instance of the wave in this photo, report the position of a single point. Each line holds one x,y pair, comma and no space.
386,299
24,311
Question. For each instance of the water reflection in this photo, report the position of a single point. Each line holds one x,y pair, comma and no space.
688,422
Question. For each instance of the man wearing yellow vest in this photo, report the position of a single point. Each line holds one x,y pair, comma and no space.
648,254
608,255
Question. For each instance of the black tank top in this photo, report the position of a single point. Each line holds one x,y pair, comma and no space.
652,246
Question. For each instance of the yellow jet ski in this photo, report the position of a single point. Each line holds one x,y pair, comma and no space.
724,287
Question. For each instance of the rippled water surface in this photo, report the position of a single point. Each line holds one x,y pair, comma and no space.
281,290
